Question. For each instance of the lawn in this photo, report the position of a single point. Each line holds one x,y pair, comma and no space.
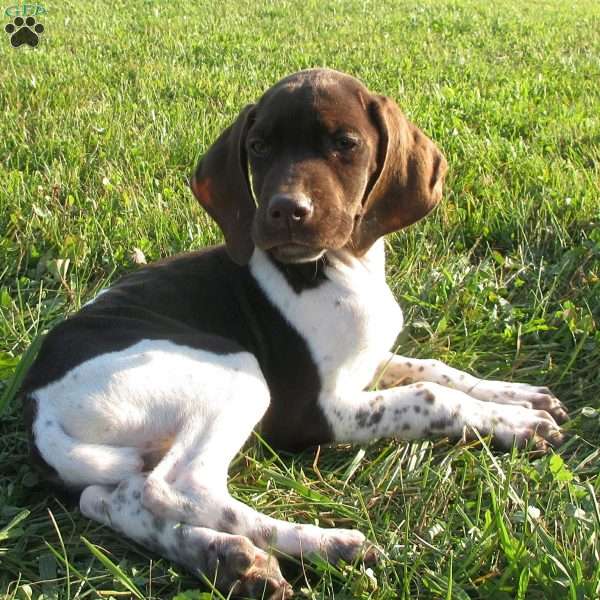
101,125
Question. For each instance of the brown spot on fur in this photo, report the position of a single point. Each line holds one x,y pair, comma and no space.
182,532
441,423
366,418
158,523
266,535
121,496
362,417
374,401
429,397
377,415
229,516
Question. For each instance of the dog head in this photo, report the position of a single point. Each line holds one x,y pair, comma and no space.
318,163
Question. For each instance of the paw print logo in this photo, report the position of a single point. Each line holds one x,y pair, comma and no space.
24,31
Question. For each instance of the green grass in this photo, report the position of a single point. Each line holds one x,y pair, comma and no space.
100,127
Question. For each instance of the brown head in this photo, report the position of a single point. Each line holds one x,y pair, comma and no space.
318,163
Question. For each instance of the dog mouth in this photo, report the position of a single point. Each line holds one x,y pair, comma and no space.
295,253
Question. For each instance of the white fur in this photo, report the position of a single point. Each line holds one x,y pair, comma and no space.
193,409
96,422
349,322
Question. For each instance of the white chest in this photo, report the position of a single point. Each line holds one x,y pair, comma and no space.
349,322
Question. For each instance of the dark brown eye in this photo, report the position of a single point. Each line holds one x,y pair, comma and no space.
258,147
345,143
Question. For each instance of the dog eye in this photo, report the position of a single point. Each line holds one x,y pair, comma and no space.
258,147
344,143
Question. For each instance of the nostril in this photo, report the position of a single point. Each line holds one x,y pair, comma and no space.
300,212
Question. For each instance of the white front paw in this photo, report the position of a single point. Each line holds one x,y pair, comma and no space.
521,394
512,424
348,545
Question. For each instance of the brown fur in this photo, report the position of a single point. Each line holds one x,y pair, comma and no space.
390,178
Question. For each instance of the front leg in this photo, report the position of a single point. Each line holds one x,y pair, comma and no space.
425,410
395,370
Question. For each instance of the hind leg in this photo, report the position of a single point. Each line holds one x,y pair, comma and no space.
203,505
190,483
231,561
97,423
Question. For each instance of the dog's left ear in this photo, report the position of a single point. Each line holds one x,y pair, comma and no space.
408,181
222,187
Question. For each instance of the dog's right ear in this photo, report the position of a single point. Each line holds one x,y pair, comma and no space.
222,187
409,179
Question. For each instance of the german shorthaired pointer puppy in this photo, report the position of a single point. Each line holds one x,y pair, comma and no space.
143,397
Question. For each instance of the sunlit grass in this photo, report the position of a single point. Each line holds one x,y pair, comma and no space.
100,128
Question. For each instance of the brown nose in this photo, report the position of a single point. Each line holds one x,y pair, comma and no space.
287,210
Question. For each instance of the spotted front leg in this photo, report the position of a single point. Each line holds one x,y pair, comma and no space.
425,410
397,370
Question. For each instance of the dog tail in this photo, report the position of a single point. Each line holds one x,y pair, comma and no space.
74,463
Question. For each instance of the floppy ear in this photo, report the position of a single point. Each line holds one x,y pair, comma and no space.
408,181
222,187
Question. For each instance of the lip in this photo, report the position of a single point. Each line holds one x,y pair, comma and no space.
296,253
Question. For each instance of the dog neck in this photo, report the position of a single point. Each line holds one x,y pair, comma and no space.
348,315
372,262
334,264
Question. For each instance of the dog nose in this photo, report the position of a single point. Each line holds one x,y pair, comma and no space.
284,209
